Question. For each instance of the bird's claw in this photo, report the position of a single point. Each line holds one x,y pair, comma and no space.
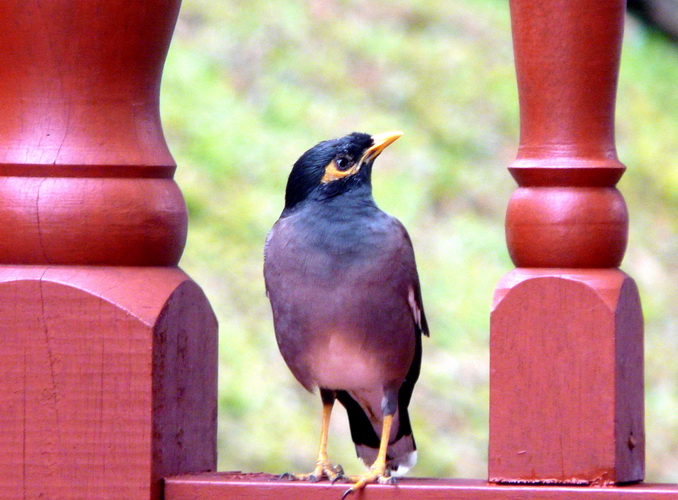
339,478
370,477
322,470
335,474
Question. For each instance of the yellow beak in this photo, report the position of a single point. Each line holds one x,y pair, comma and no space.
380,141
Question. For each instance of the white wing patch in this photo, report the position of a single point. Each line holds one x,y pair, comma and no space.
416,310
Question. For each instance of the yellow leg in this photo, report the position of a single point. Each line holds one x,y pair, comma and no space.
323,467
378,469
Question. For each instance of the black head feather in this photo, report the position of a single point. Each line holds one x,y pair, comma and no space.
305,180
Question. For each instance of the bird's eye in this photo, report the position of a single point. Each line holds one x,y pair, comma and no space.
338,168
342,163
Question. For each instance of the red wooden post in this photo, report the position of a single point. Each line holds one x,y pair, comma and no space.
566,403
108,358
566,397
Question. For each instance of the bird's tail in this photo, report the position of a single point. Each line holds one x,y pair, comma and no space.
401,454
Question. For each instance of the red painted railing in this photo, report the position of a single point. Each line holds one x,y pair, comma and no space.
566,346
108,351
108,356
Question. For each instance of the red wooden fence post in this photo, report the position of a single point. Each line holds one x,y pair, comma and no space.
566,403
108,357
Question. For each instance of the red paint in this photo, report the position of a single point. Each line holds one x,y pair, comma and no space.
564,227
80,129
566,378
566,348
108,372
56,220
79,87
109,380
222,485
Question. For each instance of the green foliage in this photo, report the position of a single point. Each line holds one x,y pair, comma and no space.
250,85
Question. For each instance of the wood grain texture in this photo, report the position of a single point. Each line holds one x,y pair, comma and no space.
107,374
85,173
79,87
99,221
566,341
566,393
225,485
567,61
566,211
108,381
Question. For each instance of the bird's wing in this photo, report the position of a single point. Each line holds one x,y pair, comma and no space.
414,291
266,246
277,232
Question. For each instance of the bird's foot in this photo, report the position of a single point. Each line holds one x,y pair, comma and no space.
323,470
375,475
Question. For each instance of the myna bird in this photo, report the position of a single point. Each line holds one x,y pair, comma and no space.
347,309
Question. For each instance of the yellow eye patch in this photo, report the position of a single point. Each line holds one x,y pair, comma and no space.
333,173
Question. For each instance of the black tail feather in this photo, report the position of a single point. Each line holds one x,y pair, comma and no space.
362,431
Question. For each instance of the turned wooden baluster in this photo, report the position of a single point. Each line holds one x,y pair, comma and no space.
108,357
566,402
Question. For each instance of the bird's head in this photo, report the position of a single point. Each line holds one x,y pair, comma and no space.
333,167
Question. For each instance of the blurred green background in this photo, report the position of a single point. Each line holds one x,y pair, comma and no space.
249,85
